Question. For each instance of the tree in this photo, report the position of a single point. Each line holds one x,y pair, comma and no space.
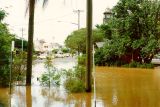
18,44
5,49
31,6
135,31
30,41
76,40
2,15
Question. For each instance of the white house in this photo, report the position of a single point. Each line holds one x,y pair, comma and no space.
44,47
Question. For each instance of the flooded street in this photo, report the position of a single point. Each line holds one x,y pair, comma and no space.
115,87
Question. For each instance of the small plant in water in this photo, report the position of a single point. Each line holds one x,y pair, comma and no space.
51,76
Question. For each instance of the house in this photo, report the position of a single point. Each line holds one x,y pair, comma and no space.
43,47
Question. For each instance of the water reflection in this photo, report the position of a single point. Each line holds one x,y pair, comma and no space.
4,97
48,97
28,97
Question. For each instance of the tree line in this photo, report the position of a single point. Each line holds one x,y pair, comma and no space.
131,34
5,50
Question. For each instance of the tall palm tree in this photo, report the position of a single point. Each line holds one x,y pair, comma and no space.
31,8
30,42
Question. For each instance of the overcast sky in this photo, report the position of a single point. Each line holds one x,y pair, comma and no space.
47,26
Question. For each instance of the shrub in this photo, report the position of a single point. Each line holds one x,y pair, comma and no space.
138,65
134,64
150,65
52,76
74,85
50,79
19,66
4,76
75,79
82,60
99,57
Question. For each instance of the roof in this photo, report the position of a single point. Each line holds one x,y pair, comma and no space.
100,44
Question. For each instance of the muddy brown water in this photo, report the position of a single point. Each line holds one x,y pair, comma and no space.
115,87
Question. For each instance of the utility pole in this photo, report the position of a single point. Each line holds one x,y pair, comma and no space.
79,13
22,38
89,46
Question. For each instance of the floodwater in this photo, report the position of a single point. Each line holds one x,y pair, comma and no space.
115,87
128,87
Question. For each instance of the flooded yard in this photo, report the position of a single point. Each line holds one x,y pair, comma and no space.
115,87
128,87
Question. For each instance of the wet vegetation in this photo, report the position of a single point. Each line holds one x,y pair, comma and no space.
19,63
52,76
5,41
75,79
132,34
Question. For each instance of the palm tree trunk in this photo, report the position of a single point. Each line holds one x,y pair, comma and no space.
89,46
30,41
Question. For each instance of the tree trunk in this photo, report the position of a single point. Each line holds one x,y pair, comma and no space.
30,41
89,46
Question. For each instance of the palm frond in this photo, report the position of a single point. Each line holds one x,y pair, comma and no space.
27,7
45,2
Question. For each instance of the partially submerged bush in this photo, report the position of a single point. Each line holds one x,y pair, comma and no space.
75,79
82,60
4,76
51,78
19,66
74,85
139,65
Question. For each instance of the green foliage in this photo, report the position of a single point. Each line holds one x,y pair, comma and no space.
18,70
18,44
5,43
134,64
5,50
135,32
77,39
19,66
65,50
75,79
2,14
82,60
99,57
4,75
52,76
73,85
139,65
105,30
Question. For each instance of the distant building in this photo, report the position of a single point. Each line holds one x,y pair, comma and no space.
107,15
41,46
38,45
56,46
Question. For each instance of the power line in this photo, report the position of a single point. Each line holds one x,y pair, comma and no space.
51,19
22,38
